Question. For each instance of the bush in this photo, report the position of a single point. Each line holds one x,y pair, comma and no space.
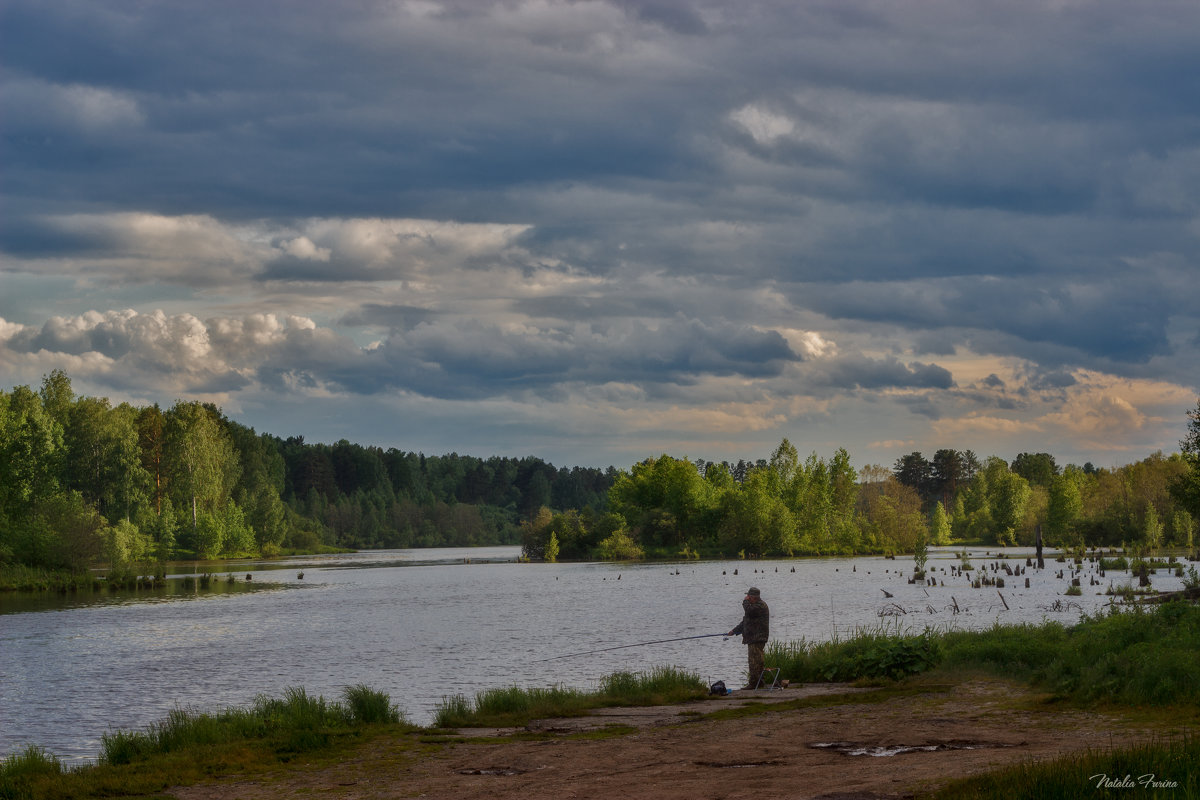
868,654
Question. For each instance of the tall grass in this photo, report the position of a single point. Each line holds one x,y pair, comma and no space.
21,770
189,745
513,705
1135,655
297,722
1158,769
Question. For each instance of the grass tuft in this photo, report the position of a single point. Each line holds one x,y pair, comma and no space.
514,706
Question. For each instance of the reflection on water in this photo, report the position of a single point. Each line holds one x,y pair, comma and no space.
425,624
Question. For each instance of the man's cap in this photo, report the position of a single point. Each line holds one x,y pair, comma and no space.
753,591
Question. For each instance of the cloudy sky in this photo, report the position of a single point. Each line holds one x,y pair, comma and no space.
602,230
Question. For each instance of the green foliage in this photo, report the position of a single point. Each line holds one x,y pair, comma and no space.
81,480
1191,579
1133,656
1065,508
20,772
619,546
1152,529
1038,469
921,552
867,654
939,525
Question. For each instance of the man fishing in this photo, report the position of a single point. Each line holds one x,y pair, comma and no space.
755,630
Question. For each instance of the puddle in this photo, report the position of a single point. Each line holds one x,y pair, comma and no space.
494,771
888,750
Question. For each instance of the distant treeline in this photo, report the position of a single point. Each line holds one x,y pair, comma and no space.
785,506
83,482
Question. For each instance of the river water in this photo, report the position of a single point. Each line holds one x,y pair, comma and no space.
422,625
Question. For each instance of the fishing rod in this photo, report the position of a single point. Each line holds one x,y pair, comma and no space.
639,644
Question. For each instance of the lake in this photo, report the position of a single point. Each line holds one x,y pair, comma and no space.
426,624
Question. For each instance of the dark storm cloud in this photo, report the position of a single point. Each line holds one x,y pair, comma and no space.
867,373
480,358
1121,318
520,197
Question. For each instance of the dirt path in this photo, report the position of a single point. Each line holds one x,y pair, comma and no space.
676,755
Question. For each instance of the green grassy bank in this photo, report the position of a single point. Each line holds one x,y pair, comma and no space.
1138,655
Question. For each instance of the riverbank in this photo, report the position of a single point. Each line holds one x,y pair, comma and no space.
802,742
1112,695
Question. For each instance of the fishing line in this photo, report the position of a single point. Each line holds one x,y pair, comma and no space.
639,644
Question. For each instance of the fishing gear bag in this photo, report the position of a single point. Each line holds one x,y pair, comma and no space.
718,688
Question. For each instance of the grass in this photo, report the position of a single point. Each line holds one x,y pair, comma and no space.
1133,656
1164,768
514,706
188,746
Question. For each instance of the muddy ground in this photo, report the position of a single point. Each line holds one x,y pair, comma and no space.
828,751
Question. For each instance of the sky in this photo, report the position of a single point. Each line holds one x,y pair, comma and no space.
598,231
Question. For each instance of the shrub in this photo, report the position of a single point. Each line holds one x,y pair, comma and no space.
868,654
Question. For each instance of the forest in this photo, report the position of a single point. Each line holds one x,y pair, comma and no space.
84,483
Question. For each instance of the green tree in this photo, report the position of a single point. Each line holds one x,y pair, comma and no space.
1064,509
124,544
151,428
31,451
940,525
948,470
1152,529
57,396
915,471
1008,495
843,498
665,502
1038,469
1185,488
1183,528
755,519
890,514
104,461
921,552
205,467
619,546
